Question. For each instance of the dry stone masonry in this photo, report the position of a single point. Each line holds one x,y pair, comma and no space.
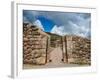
38,44
81,50
35,45
76,50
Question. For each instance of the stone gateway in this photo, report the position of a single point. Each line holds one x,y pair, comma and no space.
40,48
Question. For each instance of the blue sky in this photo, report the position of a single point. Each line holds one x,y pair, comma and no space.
61,23
47,23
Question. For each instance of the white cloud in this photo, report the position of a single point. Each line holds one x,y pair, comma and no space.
58,30
80,30
73,29
38,24
66,23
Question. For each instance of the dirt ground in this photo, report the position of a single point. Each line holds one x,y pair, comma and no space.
56,56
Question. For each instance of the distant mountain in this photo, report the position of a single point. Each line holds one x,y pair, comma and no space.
52,34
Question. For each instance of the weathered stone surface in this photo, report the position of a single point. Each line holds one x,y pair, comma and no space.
34,45
78,49
81,50
40,60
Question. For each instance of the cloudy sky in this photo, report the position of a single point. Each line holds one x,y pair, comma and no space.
61,23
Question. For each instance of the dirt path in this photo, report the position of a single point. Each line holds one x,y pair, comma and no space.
56,56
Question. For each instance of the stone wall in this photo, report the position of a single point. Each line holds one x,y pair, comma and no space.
37,45
81,50
77,50
34,45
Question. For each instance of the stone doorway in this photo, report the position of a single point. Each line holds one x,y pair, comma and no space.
59,53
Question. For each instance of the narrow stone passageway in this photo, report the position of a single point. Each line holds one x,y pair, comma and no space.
45,50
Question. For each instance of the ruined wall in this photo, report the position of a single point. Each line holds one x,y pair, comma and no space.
37,46
81,50
34,45
69,48
77,50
